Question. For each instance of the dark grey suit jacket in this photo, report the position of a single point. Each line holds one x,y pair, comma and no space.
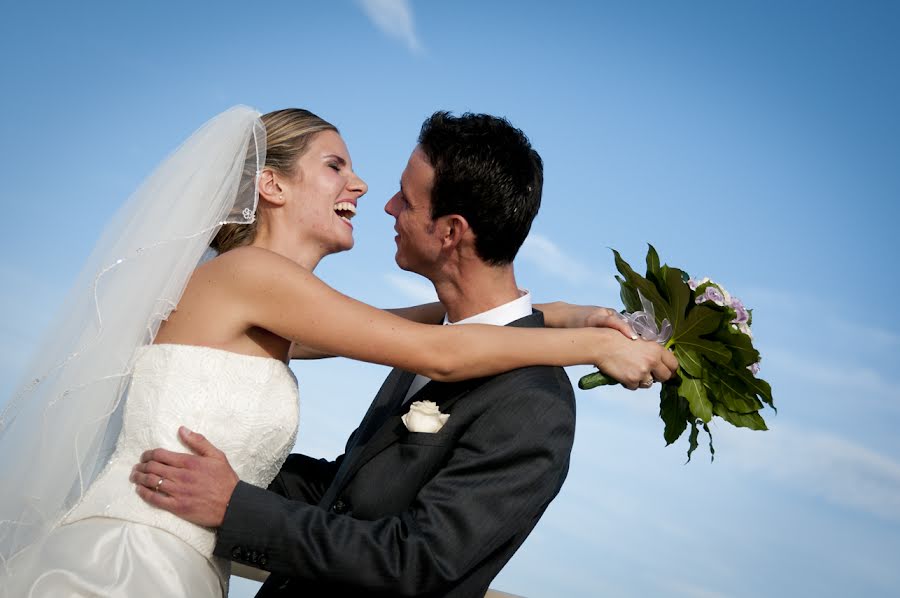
413,514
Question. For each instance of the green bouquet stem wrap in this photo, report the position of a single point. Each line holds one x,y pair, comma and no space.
594,380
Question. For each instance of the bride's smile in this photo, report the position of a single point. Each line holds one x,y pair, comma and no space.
305,214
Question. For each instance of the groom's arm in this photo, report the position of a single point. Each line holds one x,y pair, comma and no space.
304,478
508,464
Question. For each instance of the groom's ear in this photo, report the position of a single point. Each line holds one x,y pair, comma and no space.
455,230
269,188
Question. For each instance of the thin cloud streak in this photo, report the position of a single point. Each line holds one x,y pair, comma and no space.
416,290
866,383
830,467
551,259
395,19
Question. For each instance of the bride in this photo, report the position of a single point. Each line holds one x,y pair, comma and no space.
150,340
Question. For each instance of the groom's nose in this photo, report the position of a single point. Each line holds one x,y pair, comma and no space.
391,206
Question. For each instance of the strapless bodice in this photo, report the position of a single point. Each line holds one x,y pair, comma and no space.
246,406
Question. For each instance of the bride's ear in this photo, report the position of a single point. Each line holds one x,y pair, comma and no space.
269,188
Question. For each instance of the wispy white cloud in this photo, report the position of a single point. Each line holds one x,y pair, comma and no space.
395,19
811,311
551,259
865,384
414,288
832,468
689,590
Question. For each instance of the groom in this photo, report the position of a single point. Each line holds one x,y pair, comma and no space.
441,482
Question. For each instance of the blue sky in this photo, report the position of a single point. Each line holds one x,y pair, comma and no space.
756,143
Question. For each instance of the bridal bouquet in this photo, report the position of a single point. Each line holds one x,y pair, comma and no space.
709,331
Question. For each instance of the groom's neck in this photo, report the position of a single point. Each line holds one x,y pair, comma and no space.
475,288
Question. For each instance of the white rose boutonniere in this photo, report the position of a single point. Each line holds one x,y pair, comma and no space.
424,416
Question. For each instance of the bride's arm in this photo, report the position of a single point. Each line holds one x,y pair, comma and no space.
270,287
427,313
557,314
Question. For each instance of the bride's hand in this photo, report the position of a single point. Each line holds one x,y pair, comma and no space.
194,487
635,364
560,314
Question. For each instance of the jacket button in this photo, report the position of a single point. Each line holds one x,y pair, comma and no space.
263,560
236,553
340,507
254,557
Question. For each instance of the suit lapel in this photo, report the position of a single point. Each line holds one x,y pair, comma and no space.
389,396
392,429
382,425
383,407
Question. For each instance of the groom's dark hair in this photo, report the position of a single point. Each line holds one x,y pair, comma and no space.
486,171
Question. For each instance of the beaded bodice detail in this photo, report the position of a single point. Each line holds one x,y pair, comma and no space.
246,406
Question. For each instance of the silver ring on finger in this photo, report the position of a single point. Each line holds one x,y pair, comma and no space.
158,485
647,383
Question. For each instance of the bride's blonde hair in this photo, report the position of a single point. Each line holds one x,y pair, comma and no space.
288,135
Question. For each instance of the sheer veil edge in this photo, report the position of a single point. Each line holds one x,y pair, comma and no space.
59,428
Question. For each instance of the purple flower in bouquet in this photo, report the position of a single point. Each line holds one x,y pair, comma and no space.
694,283
741,315
712,293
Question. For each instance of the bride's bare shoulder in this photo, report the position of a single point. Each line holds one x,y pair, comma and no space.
248,267
247,258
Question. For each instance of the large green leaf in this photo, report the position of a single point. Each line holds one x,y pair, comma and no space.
712,350
652,260
679,295
692,440
731,392
688,335
741,420
693,391
674,411
757,385
740,345
647,288
629,296
700,321
688,360
712,449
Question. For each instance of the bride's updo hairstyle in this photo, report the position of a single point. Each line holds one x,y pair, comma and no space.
288,135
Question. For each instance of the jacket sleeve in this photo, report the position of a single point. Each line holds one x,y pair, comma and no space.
304,479
506,467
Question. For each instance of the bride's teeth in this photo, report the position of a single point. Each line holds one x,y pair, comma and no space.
348,208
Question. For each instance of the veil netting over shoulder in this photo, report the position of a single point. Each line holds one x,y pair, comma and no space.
59,428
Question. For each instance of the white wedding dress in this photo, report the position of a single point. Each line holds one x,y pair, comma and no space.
114,544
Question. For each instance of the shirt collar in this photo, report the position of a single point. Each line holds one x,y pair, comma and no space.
502,314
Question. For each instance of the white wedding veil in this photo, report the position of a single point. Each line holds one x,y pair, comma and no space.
59,428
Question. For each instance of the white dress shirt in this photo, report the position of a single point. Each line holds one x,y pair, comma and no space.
497,316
